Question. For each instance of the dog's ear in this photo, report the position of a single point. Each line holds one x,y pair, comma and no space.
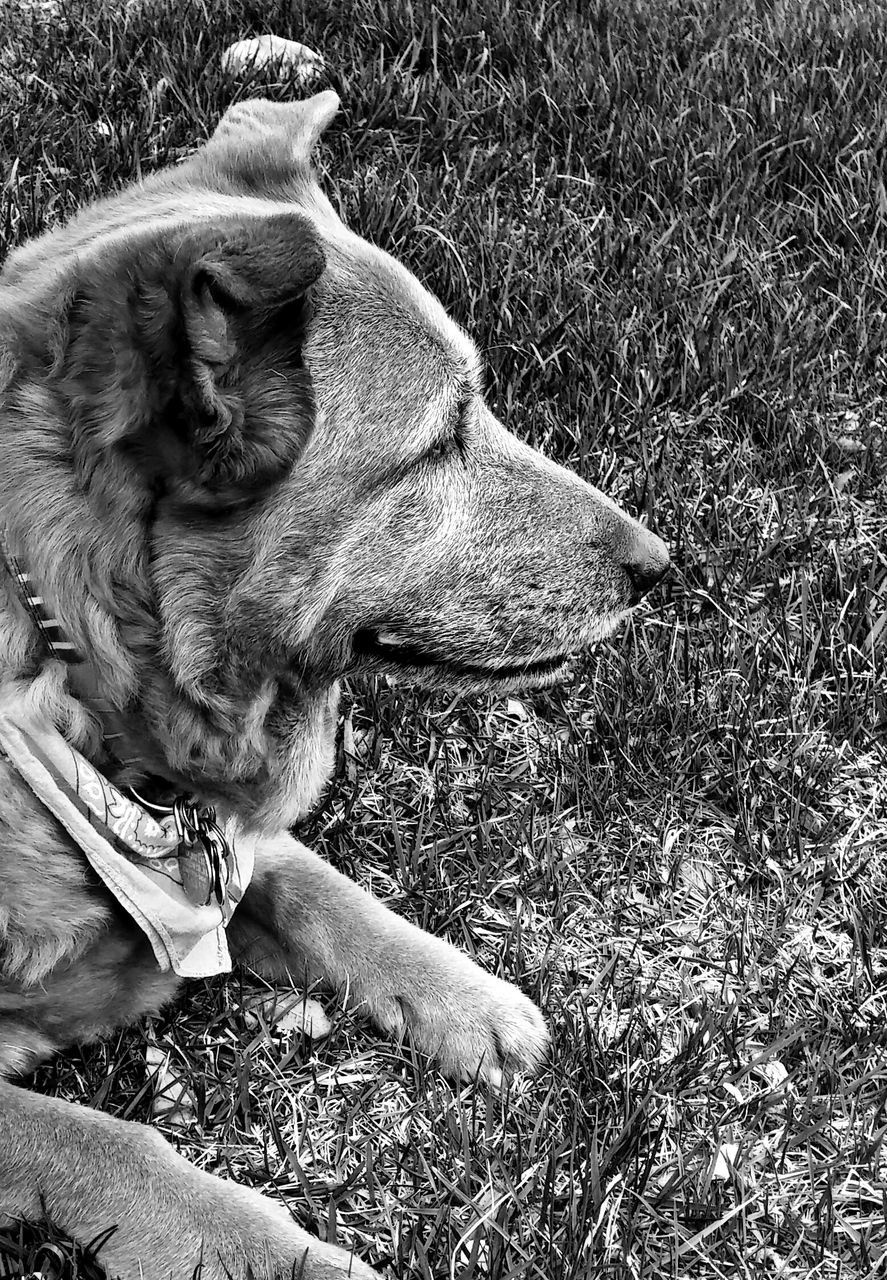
184,351
258,144
244,402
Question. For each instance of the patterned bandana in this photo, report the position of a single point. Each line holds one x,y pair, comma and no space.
179,881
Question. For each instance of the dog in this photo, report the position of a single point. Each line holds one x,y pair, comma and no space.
245,454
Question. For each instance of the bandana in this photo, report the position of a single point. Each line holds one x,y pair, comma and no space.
179,890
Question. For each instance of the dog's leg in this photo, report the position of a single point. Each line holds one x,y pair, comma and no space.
88,1173
336,933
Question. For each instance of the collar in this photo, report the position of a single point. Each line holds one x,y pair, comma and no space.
57,644
55,641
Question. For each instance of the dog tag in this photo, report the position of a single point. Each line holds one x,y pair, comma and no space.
199,877
204,855
217,851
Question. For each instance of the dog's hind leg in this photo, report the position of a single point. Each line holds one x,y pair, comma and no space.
154,1216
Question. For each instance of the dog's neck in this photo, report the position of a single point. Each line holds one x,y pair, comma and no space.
106,745
297,725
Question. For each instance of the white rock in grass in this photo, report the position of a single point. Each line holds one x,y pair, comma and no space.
774,1072
307,1018
275,54
724,1162
172,1100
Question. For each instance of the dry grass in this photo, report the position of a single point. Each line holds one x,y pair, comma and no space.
665,222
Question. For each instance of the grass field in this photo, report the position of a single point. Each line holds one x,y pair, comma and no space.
664,221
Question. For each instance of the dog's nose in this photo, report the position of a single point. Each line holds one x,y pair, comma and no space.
647,565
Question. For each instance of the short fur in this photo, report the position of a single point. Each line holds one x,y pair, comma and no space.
244,453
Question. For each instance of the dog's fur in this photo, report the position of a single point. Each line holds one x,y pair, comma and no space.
245,453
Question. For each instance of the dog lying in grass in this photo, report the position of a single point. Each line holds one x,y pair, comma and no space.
244,454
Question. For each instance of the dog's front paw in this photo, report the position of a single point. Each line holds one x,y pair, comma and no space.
167,1220
263,1234
468,1021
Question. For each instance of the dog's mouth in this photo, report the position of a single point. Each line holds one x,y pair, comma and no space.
393,652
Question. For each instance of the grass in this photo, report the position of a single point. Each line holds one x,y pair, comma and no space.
664,221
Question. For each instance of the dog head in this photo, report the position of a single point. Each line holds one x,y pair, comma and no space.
247,453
